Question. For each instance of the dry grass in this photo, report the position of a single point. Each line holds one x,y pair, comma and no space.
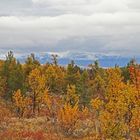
33,129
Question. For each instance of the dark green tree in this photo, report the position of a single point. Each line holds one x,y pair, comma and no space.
13,74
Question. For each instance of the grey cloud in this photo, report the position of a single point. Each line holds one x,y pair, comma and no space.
100,26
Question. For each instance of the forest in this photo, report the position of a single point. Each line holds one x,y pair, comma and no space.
53,102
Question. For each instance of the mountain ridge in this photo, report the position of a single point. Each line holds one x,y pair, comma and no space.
81,59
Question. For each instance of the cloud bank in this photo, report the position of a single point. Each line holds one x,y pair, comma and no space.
98,26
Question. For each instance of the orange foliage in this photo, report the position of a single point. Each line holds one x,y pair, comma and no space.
68,117
21,103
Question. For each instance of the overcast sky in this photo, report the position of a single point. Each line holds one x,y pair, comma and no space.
98,26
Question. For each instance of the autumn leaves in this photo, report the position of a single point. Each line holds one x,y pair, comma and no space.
92,102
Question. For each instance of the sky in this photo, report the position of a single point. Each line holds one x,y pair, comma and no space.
109,27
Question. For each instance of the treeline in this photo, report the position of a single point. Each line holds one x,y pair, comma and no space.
103,103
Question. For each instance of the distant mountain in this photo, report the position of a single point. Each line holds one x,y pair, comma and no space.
82,59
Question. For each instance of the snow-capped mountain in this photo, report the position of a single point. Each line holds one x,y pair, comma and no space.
82,59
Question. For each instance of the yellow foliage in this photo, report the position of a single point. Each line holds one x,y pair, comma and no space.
120,110
55,78
96,103
37,83
71,96
85,112
47,99
20,102
68,116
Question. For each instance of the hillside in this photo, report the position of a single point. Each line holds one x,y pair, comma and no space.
52,102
